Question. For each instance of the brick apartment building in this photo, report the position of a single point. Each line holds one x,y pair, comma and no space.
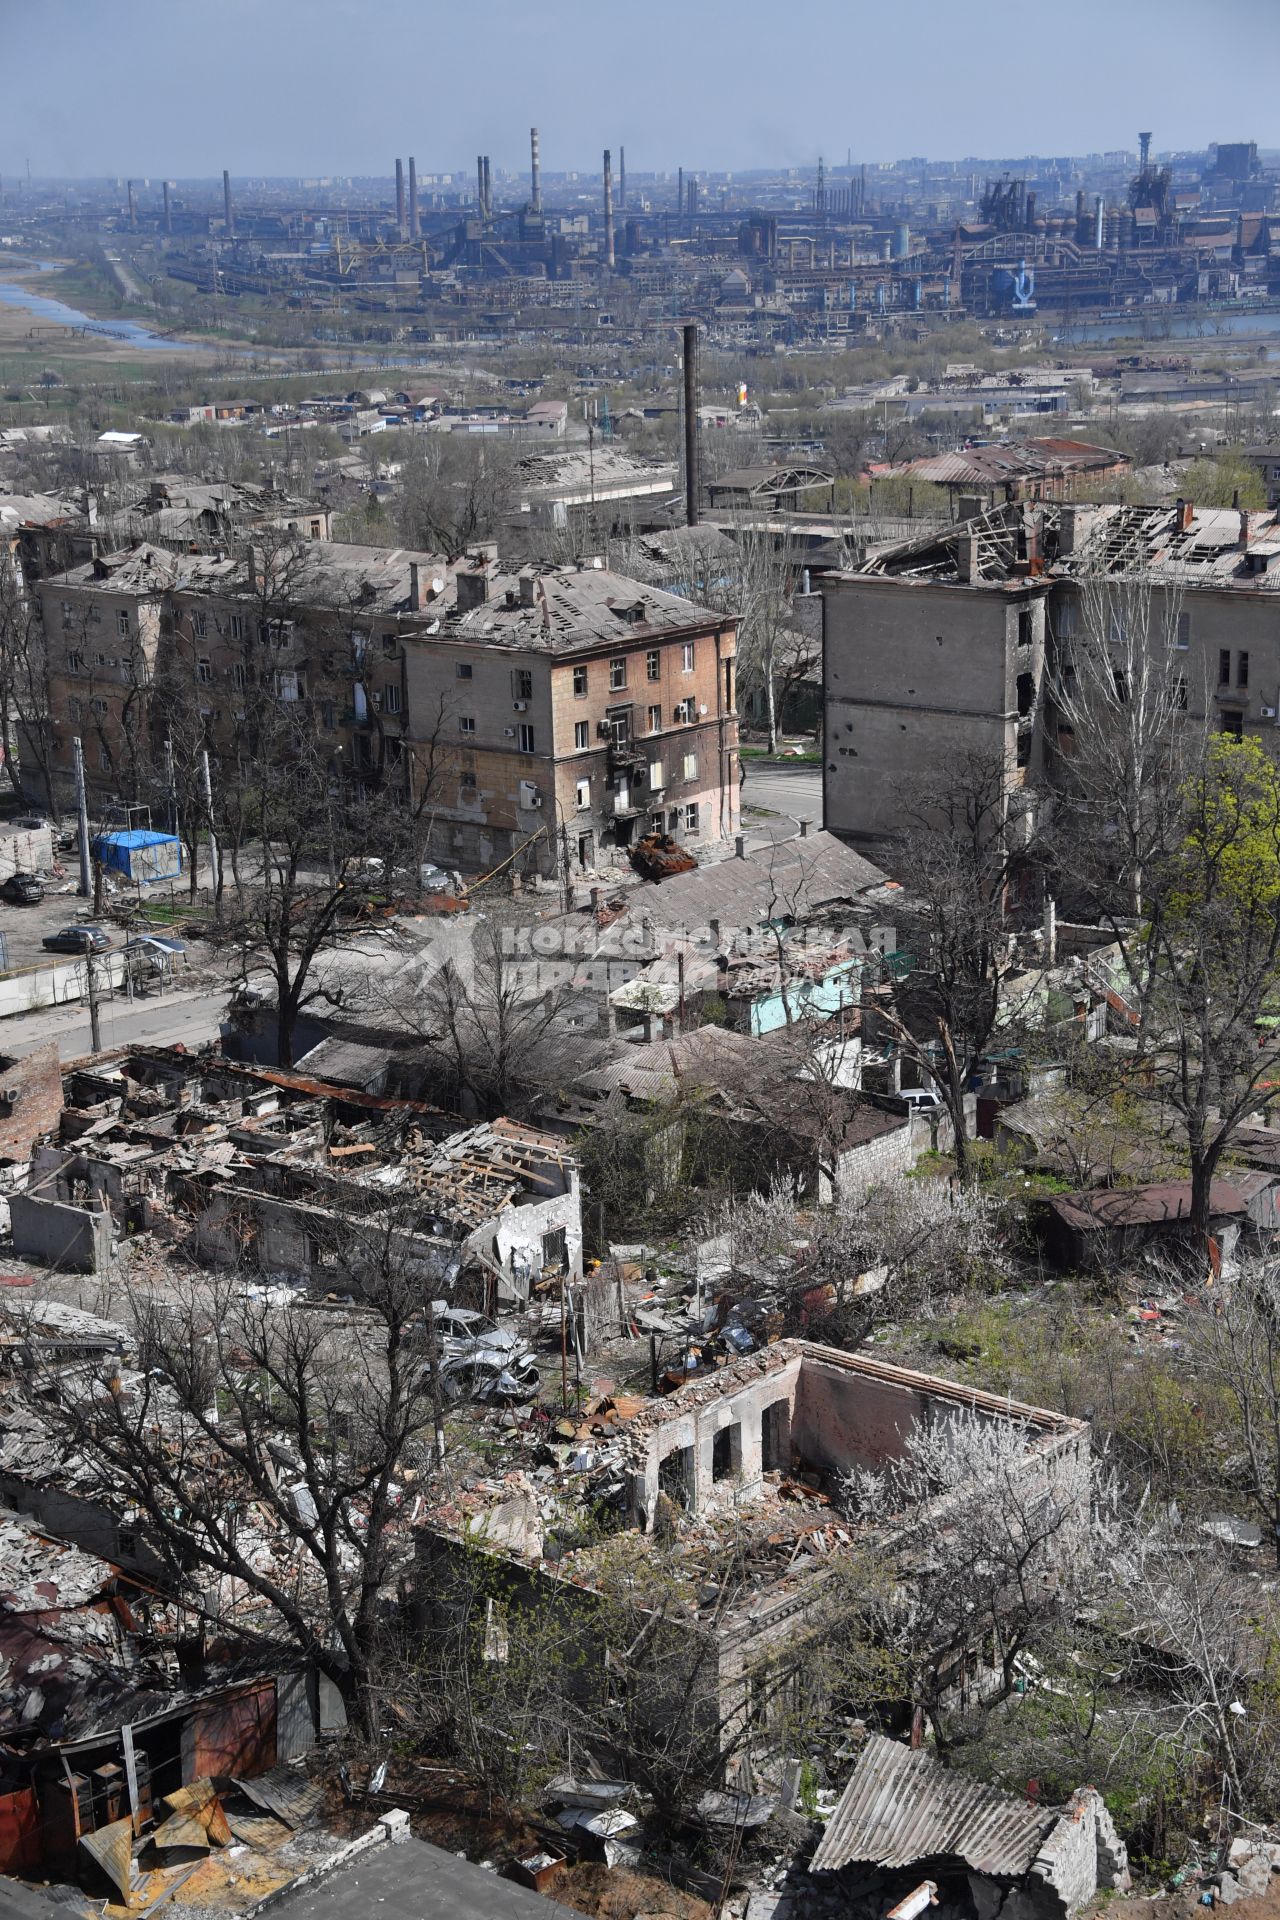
952,642
560,712
133,636
574,710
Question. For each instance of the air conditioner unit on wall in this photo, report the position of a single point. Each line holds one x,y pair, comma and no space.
521,706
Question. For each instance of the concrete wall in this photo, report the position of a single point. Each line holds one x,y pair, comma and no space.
56,986
916,673
859,1168
26,852
75,1239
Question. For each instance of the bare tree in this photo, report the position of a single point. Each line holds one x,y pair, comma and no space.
1120,702
489,1034
263,1449
966,851
26,723
1238,1341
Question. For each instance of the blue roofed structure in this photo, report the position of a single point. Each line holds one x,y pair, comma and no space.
141,855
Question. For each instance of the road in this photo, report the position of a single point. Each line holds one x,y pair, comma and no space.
791,790
189,1014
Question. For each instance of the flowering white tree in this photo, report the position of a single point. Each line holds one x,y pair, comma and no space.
901,1246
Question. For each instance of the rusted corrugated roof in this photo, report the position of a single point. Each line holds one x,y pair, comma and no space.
901,1807
1155,1205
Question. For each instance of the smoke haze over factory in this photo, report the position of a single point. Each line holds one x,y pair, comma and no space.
288,90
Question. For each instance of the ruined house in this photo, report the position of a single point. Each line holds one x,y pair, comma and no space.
273,1170
749,1459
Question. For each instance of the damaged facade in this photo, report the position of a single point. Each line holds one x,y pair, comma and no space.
268,1170
749,1461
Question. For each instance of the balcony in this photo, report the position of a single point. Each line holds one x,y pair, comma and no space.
626,753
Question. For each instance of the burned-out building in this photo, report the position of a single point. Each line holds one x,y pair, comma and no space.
123,1679
958,640
744,1467
275,1172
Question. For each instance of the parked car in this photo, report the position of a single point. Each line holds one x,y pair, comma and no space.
77,940
22,890
490,1376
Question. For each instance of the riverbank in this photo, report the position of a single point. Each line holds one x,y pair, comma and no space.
38,326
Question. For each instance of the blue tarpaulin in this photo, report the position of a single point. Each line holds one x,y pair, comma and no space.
141,855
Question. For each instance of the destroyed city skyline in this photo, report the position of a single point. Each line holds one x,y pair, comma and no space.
639,963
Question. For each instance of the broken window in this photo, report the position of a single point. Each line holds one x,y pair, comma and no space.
555,1250
1026,694
726,1453
774,1438
675,1476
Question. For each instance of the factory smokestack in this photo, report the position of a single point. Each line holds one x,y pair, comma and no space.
691,488
414,228
488,190
228,213
680,193
535,172
622,179
400,197
480,184
1098,230
168,210
608,209
1144,151
133,211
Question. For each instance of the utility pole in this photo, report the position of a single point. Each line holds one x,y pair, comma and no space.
95,1024
171,784
82,814
215,857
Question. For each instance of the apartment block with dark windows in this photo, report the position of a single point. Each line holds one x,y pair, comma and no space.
562,714
954,642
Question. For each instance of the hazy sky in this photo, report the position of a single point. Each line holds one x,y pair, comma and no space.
186,87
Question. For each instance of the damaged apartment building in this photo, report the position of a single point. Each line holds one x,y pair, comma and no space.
953,642
274,1172
122,1682
557,713
742,1472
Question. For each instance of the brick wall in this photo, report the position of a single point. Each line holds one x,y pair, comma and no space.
30,1100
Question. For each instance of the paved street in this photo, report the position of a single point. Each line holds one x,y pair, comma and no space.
793,790
187,1014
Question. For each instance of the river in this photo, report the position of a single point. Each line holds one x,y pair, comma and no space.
43,306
